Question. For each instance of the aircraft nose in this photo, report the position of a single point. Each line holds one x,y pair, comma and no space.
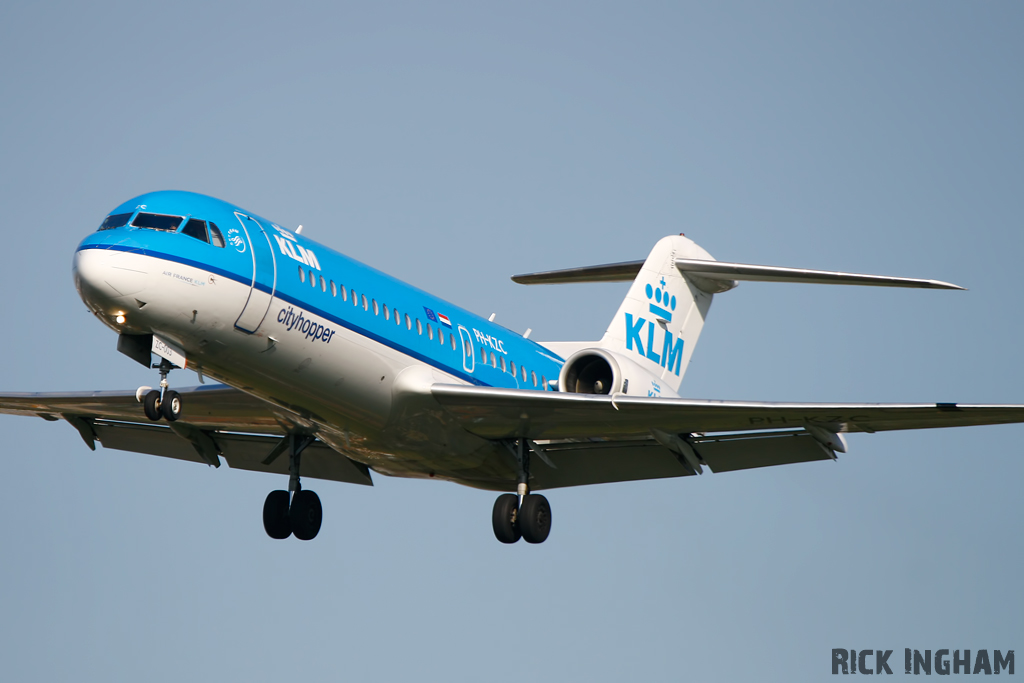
109,279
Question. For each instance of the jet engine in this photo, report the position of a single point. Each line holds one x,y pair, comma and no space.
599,371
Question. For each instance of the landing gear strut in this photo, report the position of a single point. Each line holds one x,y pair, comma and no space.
163,403
521,514
295,511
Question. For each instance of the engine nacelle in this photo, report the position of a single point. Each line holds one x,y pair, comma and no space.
599,371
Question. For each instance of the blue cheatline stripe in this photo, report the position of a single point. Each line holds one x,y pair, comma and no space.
390,343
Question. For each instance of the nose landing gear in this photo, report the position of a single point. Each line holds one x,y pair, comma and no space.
163,403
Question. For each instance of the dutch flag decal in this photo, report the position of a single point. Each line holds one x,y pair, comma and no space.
444,320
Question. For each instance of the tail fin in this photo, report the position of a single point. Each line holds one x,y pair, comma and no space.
658,324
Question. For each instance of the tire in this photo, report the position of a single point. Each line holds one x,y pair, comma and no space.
535,519
151,405
306,515
276,521
170,408
504,518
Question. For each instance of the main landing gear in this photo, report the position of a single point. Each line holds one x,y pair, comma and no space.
163,403
295,511
523,514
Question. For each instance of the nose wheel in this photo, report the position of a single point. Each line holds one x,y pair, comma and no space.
163,402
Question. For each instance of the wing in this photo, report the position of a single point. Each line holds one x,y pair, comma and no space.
592,439
511,413
220,421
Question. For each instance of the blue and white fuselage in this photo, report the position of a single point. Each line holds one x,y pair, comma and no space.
323,338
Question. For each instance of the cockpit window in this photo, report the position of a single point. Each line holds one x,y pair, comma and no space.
216,238
155,221
116,220
195,228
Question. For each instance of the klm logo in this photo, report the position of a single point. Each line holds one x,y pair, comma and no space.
661,306
290,247
662,302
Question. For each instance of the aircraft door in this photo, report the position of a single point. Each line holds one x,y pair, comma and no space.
264,274
468,353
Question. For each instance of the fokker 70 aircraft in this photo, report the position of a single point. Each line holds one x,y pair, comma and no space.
331,369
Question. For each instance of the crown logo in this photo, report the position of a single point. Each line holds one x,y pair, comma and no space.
662,303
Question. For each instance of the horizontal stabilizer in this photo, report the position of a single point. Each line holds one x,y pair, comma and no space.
721,271
609,272
719,276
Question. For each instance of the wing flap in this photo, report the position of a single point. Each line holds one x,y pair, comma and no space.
151,440
582,463
241,451
247,452
731,452
579,463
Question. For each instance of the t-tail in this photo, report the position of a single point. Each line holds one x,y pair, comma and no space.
651,339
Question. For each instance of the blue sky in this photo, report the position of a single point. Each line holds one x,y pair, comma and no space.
454,145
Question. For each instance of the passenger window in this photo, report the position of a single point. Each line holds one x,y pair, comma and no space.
398,318
494,360
302,274
408,321
334,289
483,355
344,293
430,332
216,238
513,369
196,228
419,326
157,221
376,310
440,336
355,298
366,303
312,279
543,383
387,313
451,338
533,376
116,220
502,359
323,284
523,368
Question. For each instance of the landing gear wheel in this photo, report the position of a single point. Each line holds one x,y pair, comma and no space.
535,518
151,405
306,515
170,407
504,518
275,515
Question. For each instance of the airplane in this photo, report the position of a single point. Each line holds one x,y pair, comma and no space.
329,369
